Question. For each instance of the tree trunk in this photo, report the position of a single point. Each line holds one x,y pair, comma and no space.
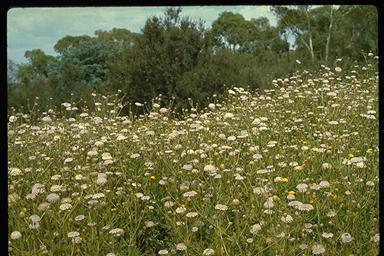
329,35
310,36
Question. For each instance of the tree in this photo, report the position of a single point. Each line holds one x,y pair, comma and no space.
68,42
38,68
11,71
169,47
298,21
86,61
357,31
231,30
123,37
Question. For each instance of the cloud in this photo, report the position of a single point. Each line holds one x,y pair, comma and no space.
30,28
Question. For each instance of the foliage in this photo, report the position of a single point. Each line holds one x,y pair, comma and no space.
187,63
291,170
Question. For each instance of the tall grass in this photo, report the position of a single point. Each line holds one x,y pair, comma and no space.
290,171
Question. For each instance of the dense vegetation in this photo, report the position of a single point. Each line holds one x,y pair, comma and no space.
291,171
186,63
276,152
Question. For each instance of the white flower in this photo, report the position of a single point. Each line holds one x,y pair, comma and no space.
338,69
66,104
98,195
15,172
221,207
57,188
38,188
163,110
187,167
302,187
295,204
231,92
324,184
208,252
15,235
135,155
256,121
116,232
121,137
327,235
210,168
376,238
287,219
303,246
346,238
149,224
291,197
35,218
357,159
46,119
259,190
318,249
231,138
53,197
212,106
12,119
181,247
370,183
238,177
73,234
101,178
191,214
269,203
306,207
189,194
79,217
255,228
333,122
228,115
163,252
180,210
169,204
106,156
65,206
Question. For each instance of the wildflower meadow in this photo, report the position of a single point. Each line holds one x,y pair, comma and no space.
290,170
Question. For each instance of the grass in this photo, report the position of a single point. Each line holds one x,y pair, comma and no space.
318,129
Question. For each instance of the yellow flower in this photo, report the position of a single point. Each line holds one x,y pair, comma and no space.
305,142
152,177
292,192
369,150
350,155
284,180
334,197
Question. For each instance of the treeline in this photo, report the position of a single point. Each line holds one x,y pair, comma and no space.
187,64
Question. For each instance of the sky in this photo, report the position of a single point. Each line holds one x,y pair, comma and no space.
31,28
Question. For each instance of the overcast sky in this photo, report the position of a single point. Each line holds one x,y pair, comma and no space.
31,28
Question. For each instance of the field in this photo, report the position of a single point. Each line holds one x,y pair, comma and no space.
288,171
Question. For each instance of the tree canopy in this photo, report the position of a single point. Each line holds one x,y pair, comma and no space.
186,62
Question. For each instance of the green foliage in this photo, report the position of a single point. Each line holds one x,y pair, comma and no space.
187,63
168,48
